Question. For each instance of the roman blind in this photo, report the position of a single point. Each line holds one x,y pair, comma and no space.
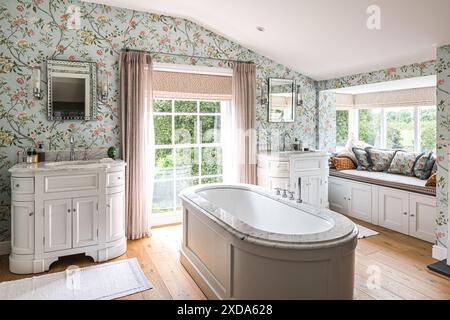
183,85
386,99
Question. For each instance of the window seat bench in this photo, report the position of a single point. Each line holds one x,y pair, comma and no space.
396,202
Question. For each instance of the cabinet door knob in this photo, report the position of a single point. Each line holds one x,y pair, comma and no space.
17,185
68,210
74,210
412,215
405,213
30,214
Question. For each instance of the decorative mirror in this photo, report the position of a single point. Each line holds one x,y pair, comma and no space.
281,100
72,90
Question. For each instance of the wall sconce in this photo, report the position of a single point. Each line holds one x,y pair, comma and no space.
103,86
264,94
36,81
299,97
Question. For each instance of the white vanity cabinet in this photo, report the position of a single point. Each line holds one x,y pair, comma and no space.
62,209
283,170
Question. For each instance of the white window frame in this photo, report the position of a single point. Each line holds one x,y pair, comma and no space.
176,216
353,125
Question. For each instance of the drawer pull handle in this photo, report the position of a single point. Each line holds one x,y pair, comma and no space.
17,185
119,178
412,215
30,214
405,213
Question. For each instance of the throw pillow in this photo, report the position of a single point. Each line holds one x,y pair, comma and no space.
342,163
379,159
362,159
431,182
420,165
403,162
426,173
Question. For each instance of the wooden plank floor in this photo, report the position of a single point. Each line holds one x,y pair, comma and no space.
401,260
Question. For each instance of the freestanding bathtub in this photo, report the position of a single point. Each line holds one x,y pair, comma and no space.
241,242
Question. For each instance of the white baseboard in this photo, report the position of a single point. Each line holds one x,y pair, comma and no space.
439,253
5,247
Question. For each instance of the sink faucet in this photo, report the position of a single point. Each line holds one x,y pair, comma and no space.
283,140
72,150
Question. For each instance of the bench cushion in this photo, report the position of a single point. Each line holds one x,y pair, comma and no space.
384,179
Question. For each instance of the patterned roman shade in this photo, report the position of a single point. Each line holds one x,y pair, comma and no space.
183,85
397,98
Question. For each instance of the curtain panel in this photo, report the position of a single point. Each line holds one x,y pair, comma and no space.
137,139
244,122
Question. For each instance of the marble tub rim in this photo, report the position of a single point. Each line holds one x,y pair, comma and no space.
342,231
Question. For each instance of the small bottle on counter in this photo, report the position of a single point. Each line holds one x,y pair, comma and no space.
41,153
34,156
29,156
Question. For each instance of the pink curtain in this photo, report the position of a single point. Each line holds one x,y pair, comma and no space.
136,127
244,122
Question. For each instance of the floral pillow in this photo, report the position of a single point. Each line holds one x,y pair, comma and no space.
403,162
362,159
423,164
426,173
379,159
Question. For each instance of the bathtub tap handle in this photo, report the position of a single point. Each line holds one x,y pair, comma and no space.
291,195
284,193
277,191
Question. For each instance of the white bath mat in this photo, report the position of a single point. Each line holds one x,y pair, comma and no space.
100,282
365,232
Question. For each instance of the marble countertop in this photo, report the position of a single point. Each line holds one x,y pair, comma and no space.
65,165
343,229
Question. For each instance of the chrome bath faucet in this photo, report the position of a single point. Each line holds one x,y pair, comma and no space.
72,148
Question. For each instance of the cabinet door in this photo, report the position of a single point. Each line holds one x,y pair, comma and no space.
115,216
338,194
422,217
22,227
315,191
360,201
394,209
84,221
57,225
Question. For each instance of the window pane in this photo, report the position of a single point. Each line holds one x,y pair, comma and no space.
163,163
428,129
187,162
162,105
210,126
163,196
185,129
180,185
212,180
163,130
370,126
400,128
341,127
211,161
210,106
185,106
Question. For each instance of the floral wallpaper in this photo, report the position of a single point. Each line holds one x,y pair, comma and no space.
441,67
443,141
32,31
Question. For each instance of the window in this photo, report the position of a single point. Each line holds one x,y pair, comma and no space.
188,150
407,128
342,126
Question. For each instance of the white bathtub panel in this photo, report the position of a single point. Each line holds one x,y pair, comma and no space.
261,277
209,246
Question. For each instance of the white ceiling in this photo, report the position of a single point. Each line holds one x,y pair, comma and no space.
322,39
